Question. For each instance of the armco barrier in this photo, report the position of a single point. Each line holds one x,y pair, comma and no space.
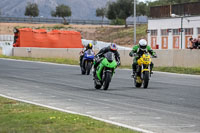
181,58
6,38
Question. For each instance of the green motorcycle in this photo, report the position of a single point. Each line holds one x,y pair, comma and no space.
105,71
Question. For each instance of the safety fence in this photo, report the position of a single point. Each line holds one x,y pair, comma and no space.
6,37
57,20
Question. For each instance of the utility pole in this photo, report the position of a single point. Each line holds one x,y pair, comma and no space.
134,22
181,32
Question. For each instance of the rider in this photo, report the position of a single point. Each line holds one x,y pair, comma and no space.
89,46
111,48
138,51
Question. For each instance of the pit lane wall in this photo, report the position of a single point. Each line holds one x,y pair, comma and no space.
180,58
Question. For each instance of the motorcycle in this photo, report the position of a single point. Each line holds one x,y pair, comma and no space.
143,71
87,61
105,71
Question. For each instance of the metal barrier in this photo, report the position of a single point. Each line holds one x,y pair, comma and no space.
6,38
57,20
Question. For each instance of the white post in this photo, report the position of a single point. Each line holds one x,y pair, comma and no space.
134,22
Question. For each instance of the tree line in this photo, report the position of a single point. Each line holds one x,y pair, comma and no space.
117,11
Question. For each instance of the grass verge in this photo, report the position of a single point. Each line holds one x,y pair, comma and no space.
19,117
52,60
181,70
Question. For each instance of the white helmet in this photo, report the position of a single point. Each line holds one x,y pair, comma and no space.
143,44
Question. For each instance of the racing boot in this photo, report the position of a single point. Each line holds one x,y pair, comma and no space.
151,67
134,70
94,73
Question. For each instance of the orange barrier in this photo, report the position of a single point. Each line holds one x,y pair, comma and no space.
53,39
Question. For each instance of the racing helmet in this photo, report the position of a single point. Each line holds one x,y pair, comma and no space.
143,44
113,46
89,46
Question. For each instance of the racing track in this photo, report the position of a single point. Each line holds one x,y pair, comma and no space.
171,104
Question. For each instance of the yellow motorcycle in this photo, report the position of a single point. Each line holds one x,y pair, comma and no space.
143,72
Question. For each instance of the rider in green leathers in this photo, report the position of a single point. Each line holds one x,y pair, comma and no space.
138,51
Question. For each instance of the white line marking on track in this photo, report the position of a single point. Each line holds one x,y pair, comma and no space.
167,125
116,118
67,111
157,118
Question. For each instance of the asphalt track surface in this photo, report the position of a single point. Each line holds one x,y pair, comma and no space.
171,104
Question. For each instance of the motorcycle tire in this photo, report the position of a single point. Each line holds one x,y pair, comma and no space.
88,67
83,71
146,79
107,80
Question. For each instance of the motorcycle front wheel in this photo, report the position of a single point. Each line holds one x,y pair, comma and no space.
88,67
83,70
107,79
146,79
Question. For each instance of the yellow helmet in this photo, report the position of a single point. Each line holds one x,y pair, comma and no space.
89,46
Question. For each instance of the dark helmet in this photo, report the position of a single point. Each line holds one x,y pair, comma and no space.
143,44
113,46
89,46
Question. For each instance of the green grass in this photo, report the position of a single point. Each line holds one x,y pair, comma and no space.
19,117
181,70
52,60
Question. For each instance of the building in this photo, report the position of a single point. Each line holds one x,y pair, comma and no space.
171,26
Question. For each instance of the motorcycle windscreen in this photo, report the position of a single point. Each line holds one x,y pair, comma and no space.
89,54
109,56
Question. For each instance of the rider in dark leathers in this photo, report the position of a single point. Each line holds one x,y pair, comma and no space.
111,48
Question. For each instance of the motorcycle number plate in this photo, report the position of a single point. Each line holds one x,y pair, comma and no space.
146,59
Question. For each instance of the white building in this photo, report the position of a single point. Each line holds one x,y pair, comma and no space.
165,32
